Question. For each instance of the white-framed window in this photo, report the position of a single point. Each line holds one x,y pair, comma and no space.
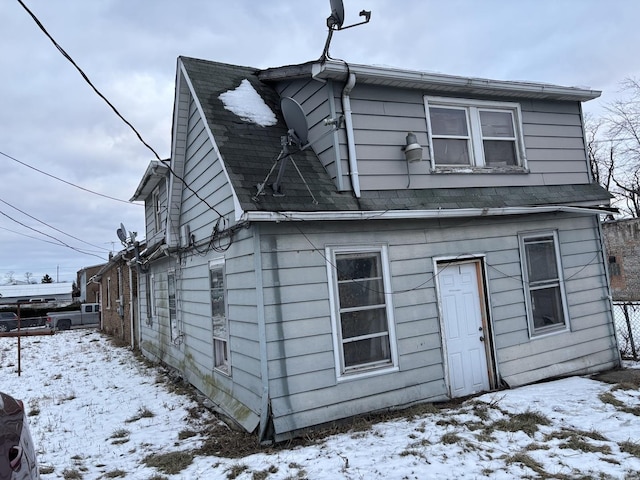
171,298
474,133
157,209
147,292
362,313
152,295
543,283
220,323
108,293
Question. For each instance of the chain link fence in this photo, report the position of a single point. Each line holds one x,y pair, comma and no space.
627,321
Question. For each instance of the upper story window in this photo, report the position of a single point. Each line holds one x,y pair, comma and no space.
474,133
157,211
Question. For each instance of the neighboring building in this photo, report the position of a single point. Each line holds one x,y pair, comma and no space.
89,290
118,283
345,279
622,239
37,294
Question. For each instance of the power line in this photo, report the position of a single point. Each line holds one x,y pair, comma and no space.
51,227
60,242
86,78
65,181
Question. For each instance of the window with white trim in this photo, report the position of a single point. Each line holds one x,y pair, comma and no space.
147,292
362,311
474,133
152,295
108,292
219,316
157,210
544,284
171,297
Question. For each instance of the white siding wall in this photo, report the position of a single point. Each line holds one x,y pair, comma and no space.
382,117
303,385
191,353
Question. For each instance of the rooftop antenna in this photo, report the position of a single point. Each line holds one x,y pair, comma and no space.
335,22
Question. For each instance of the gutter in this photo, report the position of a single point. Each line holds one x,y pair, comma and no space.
258,216
370,74
351,143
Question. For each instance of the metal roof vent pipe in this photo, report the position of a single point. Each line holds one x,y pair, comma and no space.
412,150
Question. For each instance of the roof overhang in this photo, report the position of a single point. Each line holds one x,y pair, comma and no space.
155,171
395,77
419,214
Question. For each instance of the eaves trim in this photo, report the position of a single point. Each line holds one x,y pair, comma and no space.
418,214
236,202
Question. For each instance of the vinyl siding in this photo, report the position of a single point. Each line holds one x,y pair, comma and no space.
238,394
317,102
303,385
552,131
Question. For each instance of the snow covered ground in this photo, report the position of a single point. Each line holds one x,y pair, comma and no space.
96,411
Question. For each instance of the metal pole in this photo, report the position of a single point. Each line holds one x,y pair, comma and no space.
626,317
19,369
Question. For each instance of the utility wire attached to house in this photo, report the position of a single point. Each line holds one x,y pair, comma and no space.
115,110
64,181
85,77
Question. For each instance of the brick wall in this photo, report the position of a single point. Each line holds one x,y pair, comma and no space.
622,239
116,298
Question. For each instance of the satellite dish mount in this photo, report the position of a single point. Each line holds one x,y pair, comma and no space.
335,21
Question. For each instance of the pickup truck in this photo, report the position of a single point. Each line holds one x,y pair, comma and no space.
89,314
8,321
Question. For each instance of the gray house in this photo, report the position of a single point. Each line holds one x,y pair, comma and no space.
403,237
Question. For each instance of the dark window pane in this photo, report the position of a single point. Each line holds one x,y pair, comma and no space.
496,124
366,351
500,152
541,260
449,151
363,322
448,121
358,293
547,307
358,265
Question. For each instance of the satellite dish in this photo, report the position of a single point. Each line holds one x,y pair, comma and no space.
122,233
295,119
337,14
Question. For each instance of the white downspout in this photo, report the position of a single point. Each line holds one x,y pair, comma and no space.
351,144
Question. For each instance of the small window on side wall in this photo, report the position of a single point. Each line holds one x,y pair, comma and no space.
473,133
220,323
544,283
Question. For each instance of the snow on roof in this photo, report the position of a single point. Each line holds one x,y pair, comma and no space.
246,103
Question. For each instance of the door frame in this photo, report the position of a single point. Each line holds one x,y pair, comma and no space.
479,261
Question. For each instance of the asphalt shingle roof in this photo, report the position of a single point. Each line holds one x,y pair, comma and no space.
249,151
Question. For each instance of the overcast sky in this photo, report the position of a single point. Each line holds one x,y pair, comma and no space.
52,121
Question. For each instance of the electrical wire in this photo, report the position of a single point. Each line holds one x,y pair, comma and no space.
60,242
85,77
52,227
115,110
65,181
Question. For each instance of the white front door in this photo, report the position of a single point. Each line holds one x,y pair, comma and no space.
463,329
